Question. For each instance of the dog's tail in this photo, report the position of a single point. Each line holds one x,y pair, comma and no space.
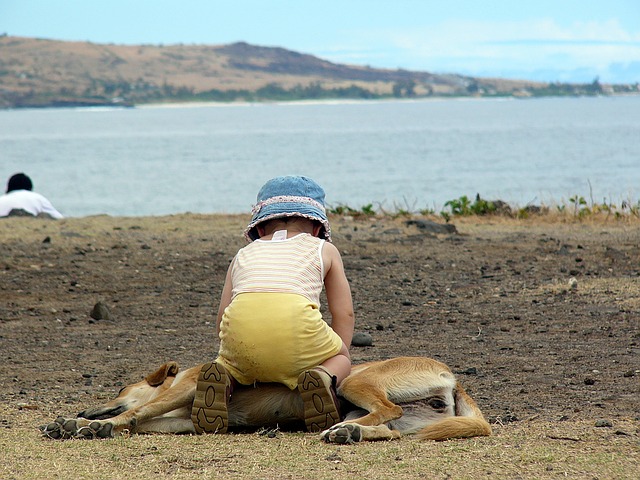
468,421
455,427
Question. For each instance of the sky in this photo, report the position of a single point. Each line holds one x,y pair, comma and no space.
546,40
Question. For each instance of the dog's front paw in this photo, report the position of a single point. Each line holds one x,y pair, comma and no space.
95,430
63,429
60,429
54,430
342,433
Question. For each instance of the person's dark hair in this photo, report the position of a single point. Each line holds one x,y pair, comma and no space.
19,182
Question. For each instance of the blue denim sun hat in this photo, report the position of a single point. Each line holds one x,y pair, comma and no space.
289,196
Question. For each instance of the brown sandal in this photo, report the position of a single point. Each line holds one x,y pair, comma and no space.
209,412
321,407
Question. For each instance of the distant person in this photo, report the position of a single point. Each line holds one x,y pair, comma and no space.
20,199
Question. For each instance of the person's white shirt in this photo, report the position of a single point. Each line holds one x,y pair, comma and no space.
31,202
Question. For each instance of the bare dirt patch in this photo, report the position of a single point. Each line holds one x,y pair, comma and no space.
494,300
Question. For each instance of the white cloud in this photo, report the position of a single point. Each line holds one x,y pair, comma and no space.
473,47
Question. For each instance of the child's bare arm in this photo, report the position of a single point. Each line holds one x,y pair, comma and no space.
225,299
338,294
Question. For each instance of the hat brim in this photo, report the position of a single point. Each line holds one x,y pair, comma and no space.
292,209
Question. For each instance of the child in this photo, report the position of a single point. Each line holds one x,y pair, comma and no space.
269,322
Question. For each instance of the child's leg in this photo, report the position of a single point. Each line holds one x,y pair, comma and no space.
317,387
340,365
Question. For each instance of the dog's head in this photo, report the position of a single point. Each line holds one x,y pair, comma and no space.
135,394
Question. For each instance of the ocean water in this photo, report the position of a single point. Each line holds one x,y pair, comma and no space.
393,154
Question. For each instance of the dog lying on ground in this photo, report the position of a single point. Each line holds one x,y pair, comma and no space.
381,400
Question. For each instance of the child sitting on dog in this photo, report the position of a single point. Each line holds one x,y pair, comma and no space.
269,322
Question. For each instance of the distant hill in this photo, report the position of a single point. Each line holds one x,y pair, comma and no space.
43,73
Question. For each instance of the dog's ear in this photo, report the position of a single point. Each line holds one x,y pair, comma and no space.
169,369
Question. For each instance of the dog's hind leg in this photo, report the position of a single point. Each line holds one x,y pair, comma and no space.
365,391
362,393
380,386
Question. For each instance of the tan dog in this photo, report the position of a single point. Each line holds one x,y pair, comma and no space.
383,400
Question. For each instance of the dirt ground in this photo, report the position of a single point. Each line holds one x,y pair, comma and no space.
494,300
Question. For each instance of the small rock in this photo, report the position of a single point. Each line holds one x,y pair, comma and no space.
362,339
573,283
469,371
19,212
334,457
589,381
603,423
100,312
433,227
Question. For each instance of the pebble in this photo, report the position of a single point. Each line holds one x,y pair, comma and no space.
470,371
433,227
603,423
100,312
362,339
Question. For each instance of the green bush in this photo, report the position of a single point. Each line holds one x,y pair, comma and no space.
464,207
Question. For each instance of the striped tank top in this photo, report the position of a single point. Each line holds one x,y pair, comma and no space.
293,265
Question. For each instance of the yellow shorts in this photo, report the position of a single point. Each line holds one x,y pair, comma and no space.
273,337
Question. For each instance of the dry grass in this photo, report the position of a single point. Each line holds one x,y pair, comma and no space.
624,293
526,450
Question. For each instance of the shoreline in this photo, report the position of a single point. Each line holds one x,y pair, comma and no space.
356,101
307,102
